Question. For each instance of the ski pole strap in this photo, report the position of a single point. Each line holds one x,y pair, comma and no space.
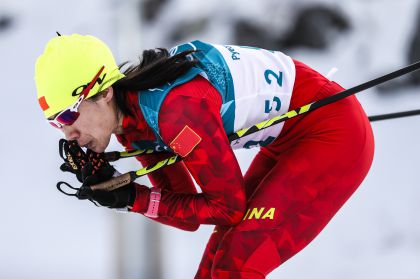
59,187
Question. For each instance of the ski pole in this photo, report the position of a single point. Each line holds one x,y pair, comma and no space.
113,156
116,155
129,177
394,115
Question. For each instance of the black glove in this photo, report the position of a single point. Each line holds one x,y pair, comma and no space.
92,168
74,157
94,173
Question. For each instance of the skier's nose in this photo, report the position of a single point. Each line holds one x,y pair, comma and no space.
70,133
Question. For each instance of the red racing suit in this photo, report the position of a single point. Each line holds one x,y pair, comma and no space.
292,189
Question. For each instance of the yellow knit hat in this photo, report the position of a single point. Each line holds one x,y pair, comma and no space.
69,64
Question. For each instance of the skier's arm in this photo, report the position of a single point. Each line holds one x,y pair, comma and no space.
175,178
212,163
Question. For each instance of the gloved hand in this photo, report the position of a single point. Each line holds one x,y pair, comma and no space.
98,170
92,168
74,157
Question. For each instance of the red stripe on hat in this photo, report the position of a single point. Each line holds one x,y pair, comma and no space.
43,103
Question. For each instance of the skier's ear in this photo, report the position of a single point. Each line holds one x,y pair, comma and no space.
107,94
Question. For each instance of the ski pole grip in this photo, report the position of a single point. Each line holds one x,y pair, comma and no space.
116,182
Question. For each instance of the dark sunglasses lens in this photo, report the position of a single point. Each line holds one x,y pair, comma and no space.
68,117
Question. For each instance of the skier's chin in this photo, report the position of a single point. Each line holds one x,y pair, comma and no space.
95,146
99,144
98,149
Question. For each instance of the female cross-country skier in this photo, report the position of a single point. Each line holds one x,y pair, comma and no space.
187,101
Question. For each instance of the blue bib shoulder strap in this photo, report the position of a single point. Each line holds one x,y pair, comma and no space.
215,69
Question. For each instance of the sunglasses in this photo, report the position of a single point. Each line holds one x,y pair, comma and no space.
70,114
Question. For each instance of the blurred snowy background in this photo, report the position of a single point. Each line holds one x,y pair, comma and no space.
44,234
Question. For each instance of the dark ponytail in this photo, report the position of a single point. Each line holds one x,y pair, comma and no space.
155,68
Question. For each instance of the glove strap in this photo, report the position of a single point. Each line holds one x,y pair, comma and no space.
152,210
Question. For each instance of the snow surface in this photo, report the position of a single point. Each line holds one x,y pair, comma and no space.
44,234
